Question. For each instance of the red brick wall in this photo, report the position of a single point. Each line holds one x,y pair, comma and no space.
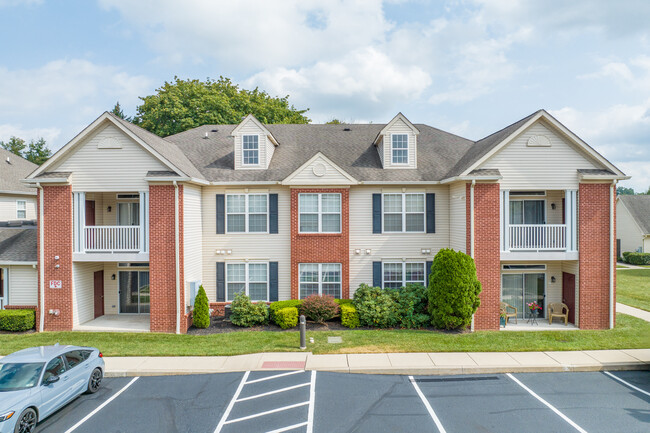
162,262
593,246
58,239
487,251
321,248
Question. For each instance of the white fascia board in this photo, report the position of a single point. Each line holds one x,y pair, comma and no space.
64,180
327,160
19,192
16,263
470,178
259,124
606,177
401,117
246,182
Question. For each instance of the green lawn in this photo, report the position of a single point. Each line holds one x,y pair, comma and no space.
630,333
633,288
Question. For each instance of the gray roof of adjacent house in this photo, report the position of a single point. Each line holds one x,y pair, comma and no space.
18,244
639,208
13,168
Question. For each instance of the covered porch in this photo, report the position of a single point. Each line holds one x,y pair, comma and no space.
541,325
116,323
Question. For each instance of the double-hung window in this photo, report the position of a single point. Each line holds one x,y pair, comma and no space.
404,212
397,275
250,150
319,213
21,209
247,213
400,148
251,279
320,279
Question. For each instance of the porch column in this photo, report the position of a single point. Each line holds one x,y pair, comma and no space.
505,220
144,222
79,216
571,219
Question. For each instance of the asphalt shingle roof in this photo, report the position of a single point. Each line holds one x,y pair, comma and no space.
17,244
639,207
12,171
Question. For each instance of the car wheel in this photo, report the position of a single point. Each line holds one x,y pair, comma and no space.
26,421
95,381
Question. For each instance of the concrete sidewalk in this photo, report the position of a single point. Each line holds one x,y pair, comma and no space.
631,311
387,363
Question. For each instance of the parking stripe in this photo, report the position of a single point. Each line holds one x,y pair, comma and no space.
291,427
256,415
275,376
232,403
312,398
547,404
441,429
626,383
273,392
101,406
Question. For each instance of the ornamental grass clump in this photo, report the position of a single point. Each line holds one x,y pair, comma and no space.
201,315
319,308
245,313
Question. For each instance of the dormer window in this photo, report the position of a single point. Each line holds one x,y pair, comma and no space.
251,150
400,148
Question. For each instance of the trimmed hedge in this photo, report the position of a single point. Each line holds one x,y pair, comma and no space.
245,313
278,305
17,320
637,258
286,317
349,316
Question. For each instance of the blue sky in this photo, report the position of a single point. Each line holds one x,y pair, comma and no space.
466,66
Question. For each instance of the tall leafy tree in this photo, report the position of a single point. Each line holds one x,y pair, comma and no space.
38,152
186,104
14,145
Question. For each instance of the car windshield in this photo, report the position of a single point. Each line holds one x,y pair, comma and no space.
17,376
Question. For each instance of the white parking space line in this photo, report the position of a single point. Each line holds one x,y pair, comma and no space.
435,418
291,427
275,376
232,403
626,383
101,406
256,415
312,398
276,391
547,404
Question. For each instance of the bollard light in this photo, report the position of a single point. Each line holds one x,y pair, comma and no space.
303,332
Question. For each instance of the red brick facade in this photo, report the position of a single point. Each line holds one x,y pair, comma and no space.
593,244
58,240
162,264
487,251
321,247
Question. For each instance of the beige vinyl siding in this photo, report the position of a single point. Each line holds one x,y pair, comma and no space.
524,167
192,237
252,246
457,216
250,128
23,285
573,267
109,169
399,128
111,289
627,230
9,207
306,176
646,245
391,246
83,291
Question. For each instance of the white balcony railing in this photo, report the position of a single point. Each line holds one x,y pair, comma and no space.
537,236
112,238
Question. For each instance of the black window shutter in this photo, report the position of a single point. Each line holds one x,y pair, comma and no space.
376,213
273,213
221,282
273,281
428,271
431,213
221,214
376,274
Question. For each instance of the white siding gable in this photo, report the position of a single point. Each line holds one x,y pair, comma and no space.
627,230
398,127
319,170
266,147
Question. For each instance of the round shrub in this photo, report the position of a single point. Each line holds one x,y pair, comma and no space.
453,289
17,320
286,317
201,316
412,302
375,306
638,258
319,308
349,316
245,313
278,305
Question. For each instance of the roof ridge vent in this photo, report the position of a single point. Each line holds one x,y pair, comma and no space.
347,129
8,160
205,137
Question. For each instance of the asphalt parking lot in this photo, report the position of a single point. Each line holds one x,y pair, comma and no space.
306,401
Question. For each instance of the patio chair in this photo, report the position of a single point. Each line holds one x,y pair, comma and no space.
558,309
504,310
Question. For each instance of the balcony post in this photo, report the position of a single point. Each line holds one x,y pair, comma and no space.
79,217
505,220
144,221
571,219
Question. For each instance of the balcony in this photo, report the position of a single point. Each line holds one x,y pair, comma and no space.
112,239
538,237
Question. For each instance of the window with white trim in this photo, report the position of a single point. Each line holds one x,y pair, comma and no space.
251,279
400,148
319,213
320,279
250,150
404,212
247,213
399,274
21,209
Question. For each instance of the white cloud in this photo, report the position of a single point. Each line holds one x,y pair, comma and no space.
49,134
633,75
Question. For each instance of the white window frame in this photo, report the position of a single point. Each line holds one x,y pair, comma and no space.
392,148
403,213
320,277
404,280
247,213
523,200
320,212
243,151
247,278
18,209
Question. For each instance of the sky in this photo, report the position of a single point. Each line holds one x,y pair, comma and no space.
470,67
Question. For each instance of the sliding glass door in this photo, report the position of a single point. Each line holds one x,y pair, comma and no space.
520,289
134,292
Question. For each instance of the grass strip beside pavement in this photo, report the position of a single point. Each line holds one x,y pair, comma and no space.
633,288
630,333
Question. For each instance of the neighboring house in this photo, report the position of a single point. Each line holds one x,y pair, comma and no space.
133,223
633,223
18,276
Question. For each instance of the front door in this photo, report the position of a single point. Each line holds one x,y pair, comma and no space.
90,212
99,293
3,289
569,294
134,292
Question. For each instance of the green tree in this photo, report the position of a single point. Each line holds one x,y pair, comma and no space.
201,316
14,145
621,190
117,110
38,152
335,121
186,104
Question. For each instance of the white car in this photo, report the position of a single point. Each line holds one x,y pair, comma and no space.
36,382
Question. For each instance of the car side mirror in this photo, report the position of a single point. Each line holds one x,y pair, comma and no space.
50,380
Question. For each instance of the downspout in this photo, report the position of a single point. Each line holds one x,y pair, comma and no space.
178,272
471,225
611,254
41,253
